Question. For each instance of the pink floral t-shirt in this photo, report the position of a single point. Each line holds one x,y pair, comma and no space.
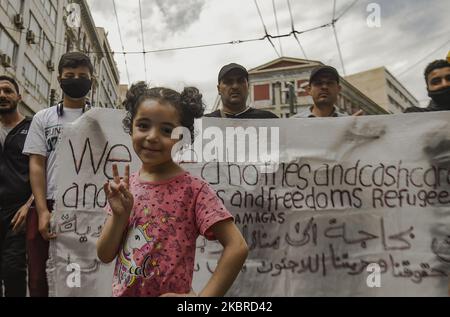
158,248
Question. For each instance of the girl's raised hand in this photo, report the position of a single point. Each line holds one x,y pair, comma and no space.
118,193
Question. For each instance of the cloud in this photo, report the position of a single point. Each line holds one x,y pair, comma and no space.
180,14
409,31
102,8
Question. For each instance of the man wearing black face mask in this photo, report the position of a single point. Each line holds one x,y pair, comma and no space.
75,78
437,76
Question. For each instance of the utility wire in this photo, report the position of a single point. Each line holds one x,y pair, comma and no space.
267,36
36,36
333,24
234,42
339,50
143,41
346,10
334,10
265,29
293,29
121,42
278,28
410,67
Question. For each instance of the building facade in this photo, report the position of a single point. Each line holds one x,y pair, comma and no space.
108,95
272,84
33,37
383,88
123,89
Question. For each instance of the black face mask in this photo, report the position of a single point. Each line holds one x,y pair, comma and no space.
441,97
76,88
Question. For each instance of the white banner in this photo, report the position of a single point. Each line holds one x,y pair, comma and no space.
354,207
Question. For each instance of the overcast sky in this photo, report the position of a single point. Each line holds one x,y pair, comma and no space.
412,33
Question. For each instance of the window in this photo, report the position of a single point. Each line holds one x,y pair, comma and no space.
29,71
7,45
53,15
103,94
12,7
83,45
69,43
47,49
35,82
395,104
261,92
390,85
49,9
35,27
43,46
47,5
285,98
301,85
42,86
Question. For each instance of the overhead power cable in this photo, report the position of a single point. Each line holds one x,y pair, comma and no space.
278,28
265,29
121,42
333,22
293,29
143,41
410,67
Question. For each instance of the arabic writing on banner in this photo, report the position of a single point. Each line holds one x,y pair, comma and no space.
324,231
346,193
86,151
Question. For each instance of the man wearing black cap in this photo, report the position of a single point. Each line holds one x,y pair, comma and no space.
324,89
437,77
233,90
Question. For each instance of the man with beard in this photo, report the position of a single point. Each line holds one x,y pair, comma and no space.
15,191
437,77
324,89
75,72
233,90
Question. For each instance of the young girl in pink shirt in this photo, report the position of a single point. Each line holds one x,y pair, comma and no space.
156,214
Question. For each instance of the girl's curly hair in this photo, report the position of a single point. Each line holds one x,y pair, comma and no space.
188,103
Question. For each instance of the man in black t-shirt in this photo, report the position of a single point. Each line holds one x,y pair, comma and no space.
15,191
233,90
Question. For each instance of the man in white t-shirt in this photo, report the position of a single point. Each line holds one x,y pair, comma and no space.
75,78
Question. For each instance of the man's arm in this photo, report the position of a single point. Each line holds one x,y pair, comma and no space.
21,215
38,182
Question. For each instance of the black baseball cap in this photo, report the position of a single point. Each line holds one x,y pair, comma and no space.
324,69
227,68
